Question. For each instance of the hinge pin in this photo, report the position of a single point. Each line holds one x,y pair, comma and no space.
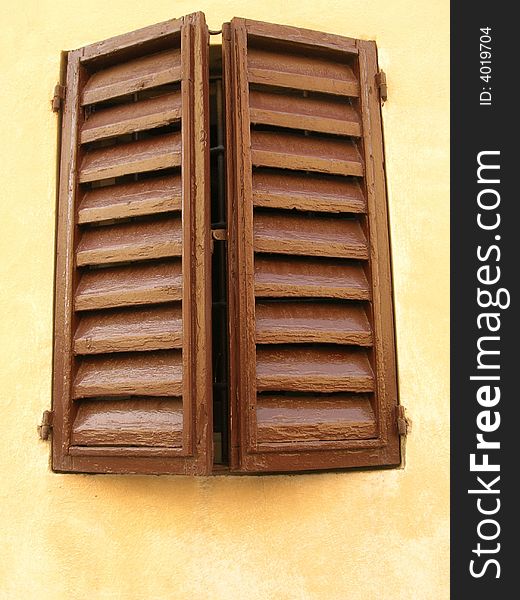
382,85
403,423
59,96
46,425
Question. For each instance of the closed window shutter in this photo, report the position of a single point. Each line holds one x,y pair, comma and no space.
132,362
313,374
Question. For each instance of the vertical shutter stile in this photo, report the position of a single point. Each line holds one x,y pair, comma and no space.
313,376
132,364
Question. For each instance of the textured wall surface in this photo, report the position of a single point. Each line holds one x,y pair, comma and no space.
368,535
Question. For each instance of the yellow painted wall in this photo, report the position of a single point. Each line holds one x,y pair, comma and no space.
370,535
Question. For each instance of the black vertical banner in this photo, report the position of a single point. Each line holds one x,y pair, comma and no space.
485,267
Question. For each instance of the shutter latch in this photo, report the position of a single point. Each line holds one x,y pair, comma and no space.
59,96
403,423
45,428
218,234
381,84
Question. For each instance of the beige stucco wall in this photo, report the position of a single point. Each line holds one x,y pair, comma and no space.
369,535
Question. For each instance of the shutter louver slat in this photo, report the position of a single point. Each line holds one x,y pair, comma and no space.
304,322
325,115
148,197
135,374
153,154
309,354
312,369
144,422
319,193
133,76
297,151
131,401
157,328
130,242
275,67
309,278
129,286
131,118
309,236
315,418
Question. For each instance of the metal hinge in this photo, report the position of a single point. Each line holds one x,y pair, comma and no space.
381,84
46,425
58,98
403,423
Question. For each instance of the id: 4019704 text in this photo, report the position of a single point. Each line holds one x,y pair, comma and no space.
485,66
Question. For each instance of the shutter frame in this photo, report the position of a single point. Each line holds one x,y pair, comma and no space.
195,454
247,453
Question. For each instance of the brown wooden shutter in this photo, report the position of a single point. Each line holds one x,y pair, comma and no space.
132,363
311,321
